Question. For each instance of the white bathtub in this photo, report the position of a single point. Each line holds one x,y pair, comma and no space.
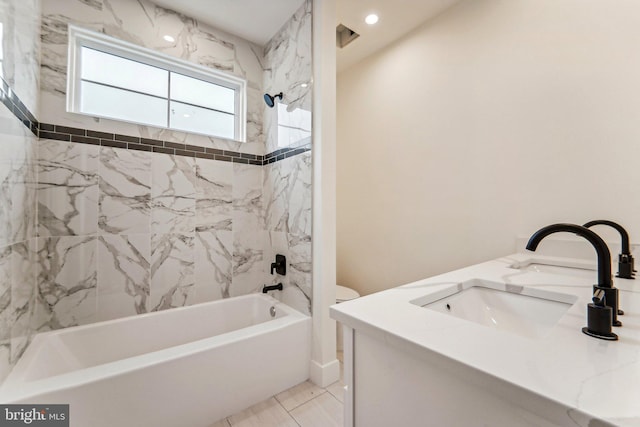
186,367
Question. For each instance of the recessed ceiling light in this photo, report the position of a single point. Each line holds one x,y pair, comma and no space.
304,85
169,38
186,115
371,19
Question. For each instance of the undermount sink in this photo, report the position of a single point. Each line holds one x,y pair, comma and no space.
528,312
575,268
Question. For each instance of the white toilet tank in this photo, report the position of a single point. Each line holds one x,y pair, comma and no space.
345,294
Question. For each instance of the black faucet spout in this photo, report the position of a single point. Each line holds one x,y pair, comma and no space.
625,246
604,256
626,268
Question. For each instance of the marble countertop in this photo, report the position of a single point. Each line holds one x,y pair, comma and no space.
598,378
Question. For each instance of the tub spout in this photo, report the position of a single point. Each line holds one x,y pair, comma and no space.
266,288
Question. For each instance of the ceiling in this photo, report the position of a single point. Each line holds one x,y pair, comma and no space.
253,20
397,18
258,20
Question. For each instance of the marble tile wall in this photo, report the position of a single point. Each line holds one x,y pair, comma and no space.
288,69
159,231
19,71
20,57
125,232
287,182
287,207
144,23
91,233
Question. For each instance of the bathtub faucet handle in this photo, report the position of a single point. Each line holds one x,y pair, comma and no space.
280,266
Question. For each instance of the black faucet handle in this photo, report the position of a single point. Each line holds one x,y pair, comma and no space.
280,266
599,298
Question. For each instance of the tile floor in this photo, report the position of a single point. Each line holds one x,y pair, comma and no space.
305,405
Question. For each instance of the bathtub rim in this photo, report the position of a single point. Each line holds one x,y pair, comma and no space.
16,389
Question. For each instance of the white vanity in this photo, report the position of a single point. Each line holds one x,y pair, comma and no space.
494,344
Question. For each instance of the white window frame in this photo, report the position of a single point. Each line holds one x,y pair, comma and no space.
81,37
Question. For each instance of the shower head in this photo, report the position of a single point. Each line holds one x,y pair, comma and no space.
271,100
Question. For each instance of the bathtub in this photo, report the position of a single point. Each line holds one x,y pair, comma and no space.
186,367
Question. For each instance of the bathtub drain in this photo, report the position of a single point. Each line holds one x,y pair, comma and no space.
272,310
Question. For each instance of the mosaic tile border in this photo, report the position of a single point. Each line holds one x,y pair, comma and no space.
106,139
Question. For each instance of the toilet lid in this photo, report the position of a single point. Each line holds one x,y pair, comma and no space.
345,294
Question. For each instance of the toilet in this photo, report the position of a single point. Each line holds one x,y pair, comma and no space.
343,294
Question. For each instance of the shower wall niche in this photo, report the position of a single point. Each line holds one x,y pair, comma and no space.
128,219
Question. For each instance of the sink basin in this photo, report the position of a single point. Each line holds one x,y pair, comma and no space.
575,268
528,312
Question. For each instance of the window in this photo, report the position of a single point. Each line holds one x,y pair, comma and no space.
118,80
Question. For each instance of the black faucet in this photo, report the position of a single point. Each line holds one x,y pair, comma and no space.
266,288
280,266
626,268
605,282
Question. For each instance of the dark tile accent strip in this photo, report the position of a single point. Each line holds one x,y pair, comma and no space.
295,152
195,148
174,145
101,135
127,138
74,131
185,153
164,150
205,156
139,147
85,139
56,136
115,144
10,100
86,136
148,141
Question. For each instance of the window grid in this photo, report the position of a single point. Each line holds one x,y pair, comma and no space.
209,124
169,101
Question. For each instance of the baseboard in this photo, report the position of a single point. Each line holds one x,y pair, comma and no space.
324,375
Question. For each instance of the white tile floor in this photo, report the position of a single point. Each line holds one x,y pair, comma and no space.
305,405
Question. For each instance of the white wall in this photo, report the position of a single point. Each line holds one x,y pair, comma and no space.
492,120
325,368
